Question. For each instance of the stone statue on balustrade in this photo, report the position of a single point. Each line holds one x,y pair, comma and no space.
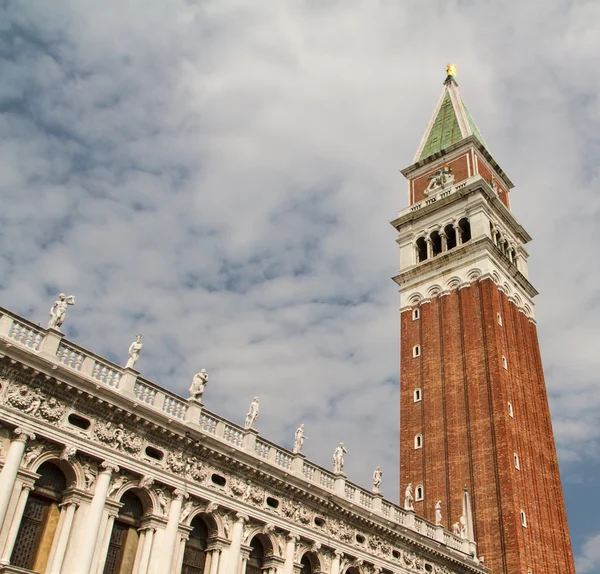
134,352
438,513
58,311
338,458
408,498
299,439
199,383
252,414
377,476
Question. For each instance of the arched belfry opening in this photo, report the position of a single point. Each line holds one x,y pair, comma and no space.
464,228
421,247
450,236
124,537
40,519
436,243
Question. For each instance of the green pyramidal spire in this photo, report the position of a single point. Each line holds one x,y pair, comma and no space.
450,122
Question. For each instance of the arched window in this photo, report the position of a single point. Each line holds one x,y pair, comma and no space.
450,236
416,314
436,243
40,517
523,519
416,351
419,493
465,230
418,441
504,363
499,319
421,246
124,536
310,563
517,465
417,395
194,556
256,558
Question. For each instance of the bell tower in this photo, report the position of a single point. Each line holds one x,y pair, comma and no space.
473,405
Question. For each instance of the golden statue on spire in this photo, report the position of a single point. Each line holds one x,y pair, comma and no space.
451,69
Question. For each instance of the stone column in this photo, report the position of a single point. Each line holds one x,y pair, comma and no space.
236,543
15,524
110,521
290,549
444,241
335,563
10,469
183,538
146,550
67,512
458,234
429,247
89,538
215,557
169,540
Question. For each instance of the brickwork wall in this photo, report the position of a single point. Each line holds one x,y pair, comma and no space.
470,439
486,172
459,170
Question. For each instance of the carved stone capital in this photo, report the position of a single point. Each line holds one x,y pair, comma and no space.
211,507
108,467
241,517
23,435
338,554
180,494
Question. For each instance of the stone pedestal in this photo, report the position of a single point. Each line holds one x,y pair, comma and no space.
127,382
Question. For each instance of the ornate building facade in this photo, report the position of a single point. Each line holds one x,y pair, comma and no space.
104,472
474,408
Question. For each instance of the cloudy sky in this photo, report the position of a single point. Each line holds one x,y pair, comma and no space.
219,176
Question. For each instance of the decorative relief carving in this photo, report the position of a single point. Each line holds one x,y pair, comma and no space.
163,501
175,462
89,475
33,403
117,483
118,438
194,470
68,453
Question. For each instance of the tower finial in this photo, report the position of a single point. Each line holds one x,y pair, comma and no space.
451,70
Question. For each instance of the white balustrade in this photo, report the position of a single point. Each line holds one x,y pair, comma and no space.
233,435
262,449
70,357
366,499
350,492
106,374
283,459
144,393
386,508
309,471
174,407
26,335
208,423
327,480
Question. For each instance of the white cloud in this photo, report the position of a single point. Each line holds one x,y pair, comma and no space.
589,559
220,177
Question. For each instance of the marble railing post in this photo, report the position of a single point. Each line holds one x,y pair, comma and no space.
67,513
15,524
94,518
236,543
169,540
10,469
290,549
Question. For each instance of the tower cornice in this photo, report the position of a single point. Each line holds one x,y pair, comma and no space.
475,184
